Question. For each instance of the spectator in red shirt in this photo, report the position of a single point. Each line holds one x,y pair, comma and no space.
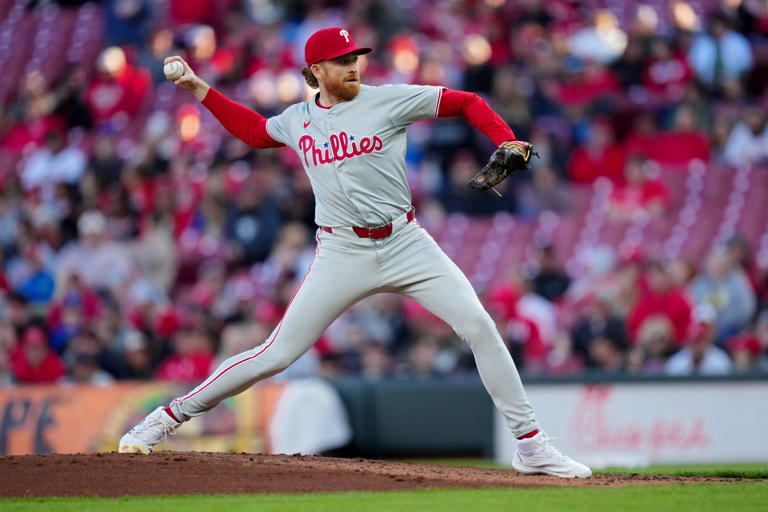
746,351
641,194
671,149
660,298
193,357
118,88
642,134
190,12
591,82
599,156
34,361
28,131
684,143
667,74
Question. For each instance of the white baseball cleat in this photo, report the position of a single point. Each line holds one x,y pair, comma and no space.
537,455
153,429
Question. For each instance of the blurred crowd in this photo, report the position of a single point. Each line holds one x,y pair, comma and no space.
139,240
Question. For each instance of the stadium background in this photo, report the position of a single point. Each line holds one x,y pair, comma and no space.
140,241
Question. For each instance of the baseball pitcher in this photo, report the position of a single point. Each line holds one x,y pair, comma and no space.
351,141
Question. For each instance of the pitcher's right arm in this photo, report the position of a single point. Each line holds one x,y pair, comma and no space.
242,122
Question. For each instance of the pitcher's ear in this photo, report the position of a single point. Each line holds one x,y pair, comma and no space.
318,70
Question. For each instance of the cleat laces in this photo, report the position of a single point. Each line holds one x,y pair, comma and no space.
545,445
153,432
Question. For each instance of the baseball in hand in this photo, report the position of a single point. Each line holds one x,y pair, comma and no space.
173,70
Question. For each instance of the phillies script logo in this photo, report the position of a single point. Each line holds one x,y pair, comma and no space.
338,148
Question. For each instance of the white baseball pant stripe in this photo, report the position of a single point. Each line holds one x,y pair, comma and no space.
346,269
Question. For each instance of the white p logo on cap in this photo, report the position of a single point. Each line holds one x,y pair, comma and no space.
345,34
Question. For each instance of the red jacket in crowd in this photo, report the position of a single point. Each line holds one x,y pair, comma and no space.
673,304
33,361
585,167
185,368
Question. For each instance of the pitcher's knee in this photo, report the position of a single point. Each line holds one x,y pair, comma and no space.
281,361
476,328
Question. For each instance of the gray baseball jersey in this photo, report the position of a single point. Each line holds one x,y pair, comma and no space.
354,152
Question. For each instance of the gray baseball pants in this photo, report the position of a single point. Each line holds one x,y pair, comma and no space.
348,268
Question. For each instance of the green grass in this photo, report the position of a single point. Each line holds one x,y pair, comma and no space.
756,470
741,496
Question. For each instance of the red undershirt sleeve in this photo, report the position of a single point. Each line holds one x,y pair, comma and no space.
244,123
476,111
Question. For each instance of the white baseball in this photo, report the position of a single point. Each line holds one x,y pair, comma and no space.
173,70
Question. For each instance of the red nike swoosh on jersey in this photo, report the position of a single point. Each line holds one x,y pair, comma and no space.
307,123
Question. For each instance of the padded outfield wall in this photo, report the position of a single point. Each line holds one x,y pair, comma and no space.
618,422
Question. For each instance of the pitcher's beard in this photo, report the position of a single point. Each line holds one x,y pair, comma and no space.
343,90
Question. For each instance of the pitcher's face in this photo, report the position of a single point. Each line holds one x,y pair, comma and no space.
340,76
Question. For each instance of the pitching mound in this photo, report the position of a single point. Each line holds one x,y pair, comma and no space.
113,474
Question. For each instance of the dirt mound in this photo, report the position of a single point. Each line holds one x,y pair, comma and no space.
113,474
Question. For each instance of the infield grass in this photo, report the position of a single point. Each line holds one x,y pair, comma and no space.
741,496
757,470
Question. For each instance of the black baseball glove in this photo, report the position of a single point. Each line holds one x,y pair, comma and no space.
511,156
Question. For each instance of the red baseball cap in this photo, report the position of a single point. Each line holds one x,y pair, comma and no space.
330,43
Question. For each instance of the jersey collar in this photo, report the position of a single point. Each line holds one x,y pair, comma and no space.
316,100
